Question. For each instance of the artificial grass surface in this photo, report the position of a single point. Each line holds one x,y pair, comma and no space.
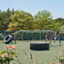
39,57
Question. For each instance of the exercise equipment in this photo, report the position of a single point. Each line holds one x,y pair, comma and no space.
8,39
39,46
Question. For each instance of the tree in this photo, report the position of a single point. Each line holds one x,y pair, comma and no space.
60,22
43,20
4,19
21,21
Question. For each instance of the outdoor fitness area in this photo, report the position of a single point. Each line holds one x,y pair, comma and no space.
33,47
31,32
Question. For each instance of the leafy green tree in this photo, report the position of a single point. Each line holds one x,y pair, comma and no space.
13,12
21,21
56,25
59,23
4,19
60,20
43,20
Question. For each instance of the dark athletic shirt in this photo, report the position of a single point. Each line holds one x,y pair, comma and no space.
57,33
48,36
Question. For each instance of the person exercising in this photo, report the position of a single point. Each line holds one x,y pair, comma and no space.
48,37
57,36
13,37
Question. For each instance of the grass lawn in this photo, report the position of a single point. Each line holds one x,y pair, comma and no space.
39,57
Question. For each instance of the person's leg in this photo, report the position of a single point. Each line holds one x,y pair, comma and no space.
46,40
54,40
12,41
15,41
59,40
50,43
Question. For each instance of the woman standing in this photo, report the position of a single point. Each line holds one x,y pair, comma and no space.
57,36
48,37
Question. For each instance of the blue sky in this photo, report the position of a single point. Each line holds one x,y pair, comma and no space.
56,7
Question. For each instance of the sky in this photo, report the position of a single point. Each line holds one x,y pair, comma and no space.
55,7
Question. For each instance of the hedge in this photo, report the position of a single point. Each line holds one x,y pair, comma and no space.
33,34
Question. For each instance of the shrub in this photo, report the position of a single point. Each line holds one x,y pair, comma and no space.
7,55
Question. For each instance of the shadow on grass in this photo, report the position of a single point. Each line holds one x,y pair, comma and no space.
39,50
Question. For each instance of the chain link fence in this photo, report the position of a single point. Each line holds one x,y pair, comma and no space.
30,34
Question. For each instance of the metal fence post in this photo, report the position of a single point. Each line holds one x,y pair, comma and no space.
40,34
4,33
22,35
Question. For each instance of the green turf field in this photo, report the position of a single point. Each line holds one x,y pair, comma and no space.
39,57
